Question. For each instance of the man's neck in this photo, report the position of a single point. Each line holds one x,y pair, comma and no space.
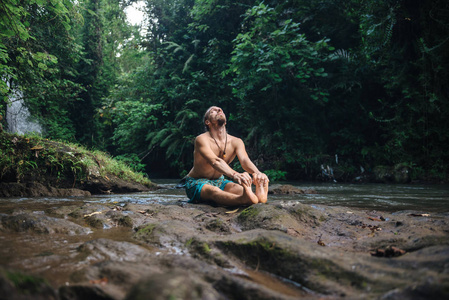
218,132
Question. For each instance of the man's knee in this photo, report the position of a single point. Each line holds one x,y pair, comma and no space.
208,191
233,188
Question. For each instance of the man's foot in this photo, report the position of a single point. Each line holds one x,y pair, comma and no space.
261,190
248,196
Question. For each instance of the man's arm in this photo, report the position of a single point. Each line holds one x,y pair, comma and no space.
203,147
247,164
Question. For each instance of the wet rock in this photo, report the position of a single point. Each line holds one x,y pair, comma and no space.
268,217
218,225
35,189
165,233
176,284
105,249
429,288
28,222
82,292
16,285
279,250
287,189
112,184
102,216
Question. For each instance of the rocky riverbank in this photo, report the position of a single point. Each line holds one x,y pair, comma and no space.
279,250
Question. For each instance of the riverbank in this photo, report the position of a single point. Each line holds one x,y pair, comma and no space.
279,250
34,167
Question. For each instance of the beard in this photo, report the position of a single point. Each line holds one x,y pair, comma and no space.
221,120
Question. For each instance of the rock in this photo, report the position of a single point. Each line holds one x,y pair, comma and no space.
105,249
400,173
267,217
82,292
112,184
287,189
27,222
278,250
172,234
16,285
176,284
35,189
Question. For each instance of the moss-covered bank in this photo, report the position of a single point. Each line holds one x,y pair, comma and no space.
32,166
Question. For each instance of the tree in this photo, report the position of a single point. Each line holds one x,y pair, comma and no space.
38,55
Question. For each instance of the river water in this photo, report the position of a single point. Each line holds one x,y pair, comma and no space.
383,197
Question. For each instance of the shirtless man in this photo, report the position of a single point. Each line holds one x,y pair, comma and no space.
214,151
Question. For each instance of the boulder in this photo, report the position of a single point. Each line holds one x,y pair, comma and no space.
37,223
287,189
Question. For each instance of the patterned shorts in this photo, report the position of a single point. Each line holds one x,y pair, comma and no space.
193,186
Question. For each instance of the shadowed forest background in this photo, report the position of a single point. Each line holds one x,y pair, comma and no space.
349,84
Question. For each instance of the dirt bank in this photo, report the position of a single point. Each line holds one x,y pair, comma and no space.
35,167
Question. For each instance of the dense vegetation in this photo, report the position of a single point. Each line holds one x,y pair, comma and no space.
302,82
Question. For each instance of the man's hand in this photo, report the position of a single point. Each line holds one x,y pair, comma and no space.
242,178
261,177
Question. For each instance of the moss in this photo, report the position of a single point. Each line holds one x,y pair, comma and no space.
125,221
147,230
249,212
94,222
189,242
206,247
27,284
75,214
217,225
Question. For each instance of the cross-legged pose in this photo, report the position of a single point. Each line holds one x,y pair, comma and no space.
214,151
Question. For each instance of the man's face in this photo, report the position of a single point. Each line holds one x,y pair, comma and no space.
216,115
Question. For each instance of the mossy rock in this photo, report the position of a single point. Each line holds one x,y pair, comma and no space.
19,285
165,233
217,225
310,265
94,222
268,217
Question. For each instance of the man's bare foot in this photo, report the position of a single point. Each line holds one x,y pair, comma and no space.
261,190
248,196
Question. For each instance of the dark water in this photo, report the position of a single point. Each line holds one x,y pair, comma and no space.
385,197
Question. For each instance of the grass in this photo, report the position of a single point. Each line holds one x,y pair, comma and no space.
32,158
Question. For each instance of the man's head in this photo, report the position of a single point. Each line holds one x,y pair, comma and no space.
214,114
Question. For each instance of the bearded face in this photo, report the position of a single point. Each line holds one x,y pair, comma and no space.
215,115
221,119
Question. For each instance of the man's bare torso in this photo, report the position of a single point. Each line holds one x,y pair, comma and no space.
201,167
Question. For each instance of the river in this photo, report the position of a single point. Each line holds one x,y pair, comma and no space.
383,197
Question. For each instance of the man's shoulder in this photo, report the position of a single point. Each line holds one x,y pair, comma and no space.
234,139
202,136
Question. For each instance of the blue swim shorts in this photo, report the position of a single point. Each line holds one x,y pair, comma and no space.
193,186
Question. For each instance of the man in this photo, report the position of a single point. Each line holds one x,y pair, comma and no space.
214,151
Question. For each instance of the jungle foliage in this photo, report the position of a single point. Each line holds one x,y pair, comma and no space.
302,82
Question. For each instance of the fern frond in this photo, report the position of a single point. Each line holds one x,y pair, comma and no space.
186,64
